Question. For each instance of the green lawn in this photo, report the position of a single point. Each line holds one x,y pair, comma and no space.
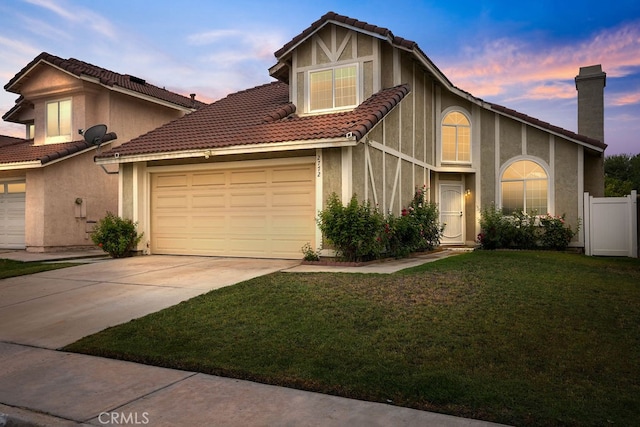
523,338
10,268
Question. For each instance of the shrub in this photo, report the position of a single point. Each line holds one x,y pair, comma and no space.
402,234
360,233
523,231
496,229
427,219
309,254
556,234
353,230
116,236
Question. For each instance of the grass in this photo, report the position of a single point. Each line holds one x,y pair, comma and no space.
523,338
10,268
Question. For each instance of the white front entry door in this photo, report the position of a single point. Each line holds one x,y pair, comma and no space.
452,214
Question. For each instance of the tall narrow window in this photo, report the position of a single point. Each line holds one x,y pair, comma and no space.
333,88
456,138
59,121
524,188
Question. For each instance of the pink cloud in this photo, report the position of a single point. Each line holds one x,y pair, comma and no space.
507,67
626,99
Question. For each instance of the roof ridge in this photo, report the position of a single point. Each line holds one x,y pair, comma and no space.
353,22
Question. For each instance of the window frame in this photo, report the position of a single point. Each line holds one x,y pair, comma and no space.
445,114
539,162
333,68
66,137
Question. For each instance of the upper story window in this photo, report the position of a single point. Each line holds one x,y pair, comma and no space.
58,121
456,138
524,188
333,88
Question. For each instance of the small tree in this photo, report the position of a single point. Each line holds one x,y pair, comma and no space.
116,236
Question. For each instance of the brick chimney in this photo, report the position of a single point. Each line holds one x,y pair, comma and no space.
590,83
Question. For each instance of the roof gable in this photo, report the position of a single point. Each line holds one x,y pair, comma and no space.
107,78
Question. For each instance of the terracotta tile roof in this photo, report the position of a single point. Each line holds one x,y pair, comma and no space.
15,150
105,77
259,115
548,126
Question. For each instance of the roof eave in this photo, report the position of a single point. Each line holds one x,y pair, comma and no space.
32,164
233,149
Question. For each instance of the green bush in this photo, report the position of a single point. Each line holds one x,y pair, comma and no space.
497,231
116,236
427,219
556,234
353,230
360,233
523,231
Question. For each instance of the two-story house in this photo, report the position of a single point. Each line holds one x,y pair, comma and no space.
51,191
355,109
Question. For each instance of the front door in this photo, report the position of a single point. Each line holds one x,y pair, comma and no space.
452,214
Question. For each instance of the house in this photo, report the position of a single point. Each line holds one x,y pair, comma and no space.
51,191
354,109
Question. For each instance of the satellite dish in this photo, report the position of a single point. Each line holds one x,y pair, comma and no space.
97,134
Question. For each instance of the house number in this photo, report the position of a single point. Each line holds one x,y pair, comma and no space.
319,165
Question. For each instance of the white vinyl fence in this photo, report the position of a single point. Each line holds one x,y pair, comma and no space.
611,225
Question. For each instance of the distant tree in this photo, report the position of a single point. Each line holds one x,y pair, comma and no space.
621,174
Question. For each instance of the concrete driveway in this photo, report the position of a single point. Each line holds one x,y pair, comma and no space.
55,308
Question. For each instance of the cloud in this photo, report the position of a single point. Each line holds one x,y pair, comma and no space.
515,68
78,15
238,45
626,99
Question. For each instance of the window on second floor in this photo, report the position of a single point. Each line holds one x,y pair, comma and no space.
456,138
333,88
58,121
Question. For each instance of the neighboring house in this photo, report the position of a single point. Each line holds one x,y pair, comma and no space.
355,110
51,191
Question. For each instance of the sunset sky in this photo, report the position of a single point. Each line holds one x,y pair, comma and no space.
524,57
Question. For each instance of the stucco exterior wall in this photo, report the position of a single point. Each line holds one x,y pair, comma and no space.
538,144
488,159
510,139
331,173
566,180
54,219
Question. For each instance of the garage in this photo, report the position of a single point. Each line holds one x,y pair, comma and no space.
263,212
12,208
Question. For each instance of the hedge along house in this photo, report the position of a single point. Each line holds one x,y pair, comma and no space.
355,110
51,191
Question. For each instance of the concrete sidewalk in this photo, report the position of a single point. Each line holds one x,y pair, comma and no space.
66,389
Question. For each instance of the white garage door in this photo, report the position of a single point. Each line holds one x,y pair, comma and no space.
12,201
265,212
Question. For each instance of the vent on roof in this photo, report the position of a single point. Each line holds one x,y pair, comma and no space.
138,80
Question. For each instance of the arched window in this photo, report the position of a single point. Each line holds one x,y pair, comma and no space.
456,138
524,187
